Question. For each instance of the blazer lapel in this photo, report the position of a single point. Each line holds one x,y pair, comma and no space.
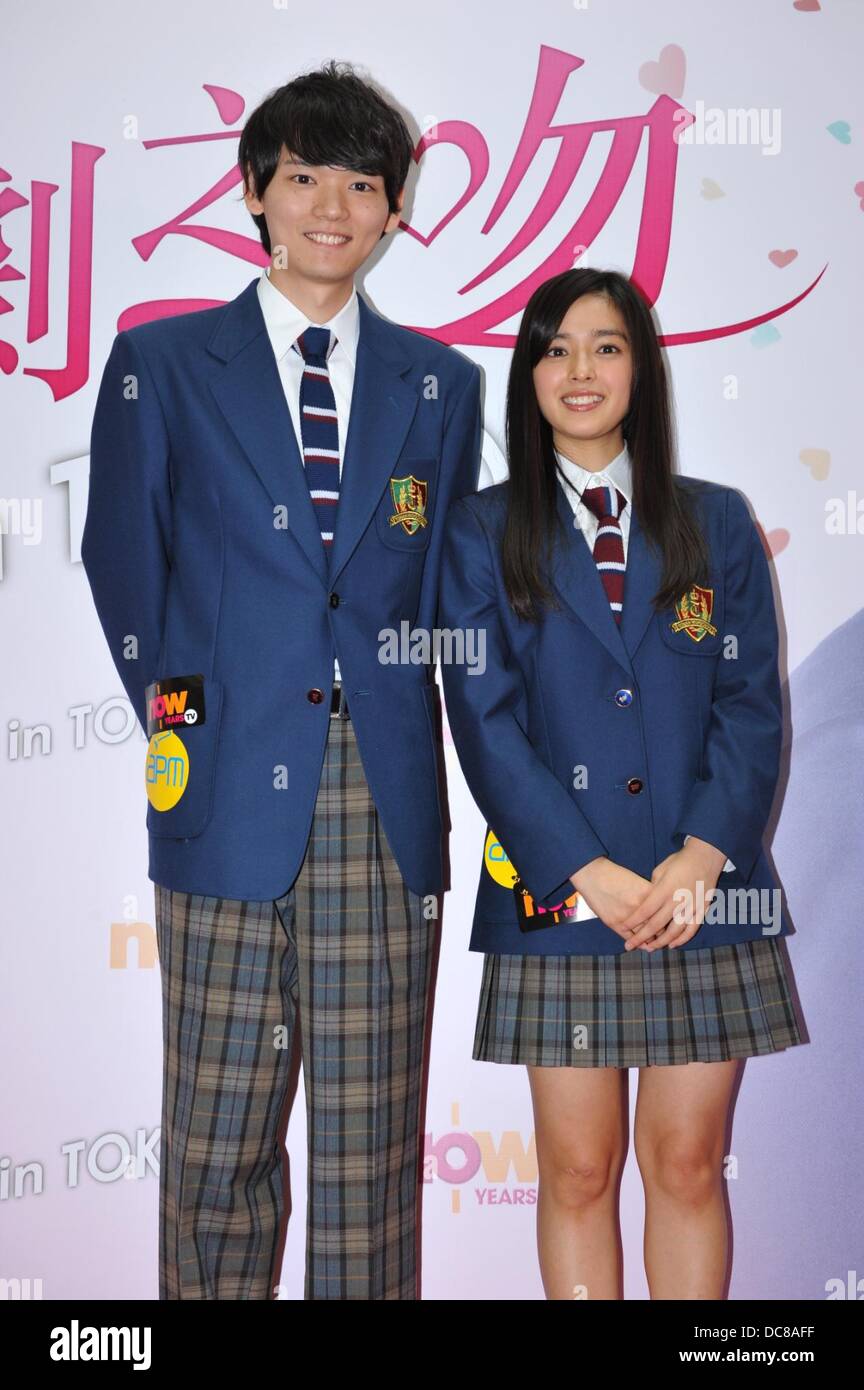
641,582
382,408
248,391
577,579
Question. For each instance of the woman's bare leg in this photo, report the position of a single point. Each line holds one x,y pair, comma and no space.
679,1133
580,1124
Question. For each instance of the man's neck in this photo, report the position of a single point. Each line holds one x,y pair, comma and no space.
319,302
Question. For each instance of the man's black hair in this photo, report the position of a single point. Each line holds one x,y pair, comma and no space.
330,116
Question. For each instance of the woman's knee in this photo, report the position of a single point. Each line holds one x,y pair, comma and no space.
685,1167
575,1178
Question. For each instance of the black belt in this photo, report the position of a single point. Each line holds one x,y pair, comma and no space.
338,703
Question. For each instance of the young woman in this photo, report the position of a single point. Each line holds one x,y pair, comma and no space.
623,745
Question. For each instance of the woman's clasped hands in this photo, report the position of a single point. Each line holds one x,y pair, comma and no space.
668,910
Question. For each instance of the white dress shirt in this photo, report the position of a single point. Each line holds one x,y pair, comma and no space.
618,473
284,323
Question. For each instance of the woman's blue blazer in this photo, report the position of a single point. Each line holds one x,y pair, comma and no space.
582,738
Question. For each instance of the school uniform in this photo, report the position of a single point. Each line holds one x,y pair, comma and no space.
266,495
611,729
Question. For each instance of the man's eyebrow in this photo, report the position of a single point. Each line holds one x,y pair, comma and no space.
595,333
305,164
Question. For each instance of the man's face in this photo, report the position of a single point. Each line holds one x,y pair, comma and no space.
323,222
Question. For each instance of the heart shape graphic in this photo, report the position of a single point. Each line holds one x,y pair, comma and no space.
710,189
781,258
468,139
841,130
859,193
666,75
818,461
807,5
764,335
776,540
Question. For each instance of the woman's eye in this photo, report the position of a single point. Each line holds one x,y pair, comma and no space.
552,350
610,346
300,176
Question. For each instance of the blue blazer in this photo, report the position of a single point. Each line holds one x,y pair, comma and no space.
201,544
675,737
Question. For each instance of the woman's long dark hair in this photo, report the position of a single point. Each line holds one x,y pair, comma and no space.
533,526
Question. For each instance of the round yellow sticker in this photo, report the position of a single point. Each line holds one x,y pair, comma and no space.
167,772
497,863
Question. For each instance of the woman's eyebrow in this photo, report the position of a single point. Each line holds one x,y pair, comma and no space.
595,333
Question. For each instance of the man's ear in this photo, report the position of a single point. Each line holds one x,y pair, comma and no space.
249,195
393,220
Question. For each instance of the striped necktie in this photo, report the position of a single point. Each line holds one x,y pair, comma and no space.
319,426
607,504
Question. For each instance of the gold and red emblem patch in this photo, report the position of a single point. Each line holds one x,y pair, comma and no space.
694,613
409,499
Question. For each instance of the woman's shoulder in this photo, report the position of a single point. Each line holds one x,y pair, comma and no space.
701,487
488,506
717,501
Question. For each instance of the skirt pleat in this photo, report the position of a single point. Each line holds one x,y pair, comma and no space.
638,1008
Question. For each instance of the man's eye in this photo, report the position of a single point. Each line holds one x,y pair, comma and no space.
364,183
300,176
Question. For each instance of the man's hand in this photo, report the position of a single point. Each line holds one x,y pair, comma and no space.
614,893
661,918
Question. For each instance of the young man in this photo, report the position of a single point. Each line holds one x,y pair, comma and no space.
268,488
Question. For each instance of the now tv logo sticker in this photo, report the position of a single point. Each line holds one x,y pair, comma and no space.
176,700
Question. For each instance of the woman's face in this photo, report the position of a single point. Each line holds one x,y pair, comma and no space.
583,379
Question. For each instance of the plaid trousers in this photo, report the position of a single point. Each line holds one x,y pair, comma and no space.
348,955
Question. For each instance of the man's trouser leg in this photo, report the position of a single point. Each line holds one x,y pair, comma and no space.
350,946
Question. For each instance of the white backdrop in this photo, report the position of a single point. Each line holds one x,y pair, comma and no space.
772,409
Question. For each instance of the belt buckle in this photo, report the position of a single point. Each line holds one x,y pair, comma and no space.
338,702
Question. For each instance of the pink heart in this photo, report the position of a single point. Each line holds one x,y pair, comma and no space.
807,5
666,76
859,191
469,140
781,258
776,540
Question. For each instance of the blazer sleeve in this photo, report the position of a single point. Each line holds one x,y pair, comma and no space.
730,804
543,831
459,472
126,544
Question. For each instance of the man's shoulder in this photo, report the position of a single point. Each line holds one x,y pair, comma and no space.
166,335
426,351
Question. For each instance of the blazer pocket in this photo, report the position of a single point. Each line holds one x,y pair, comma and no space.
179,780
404,515
694,626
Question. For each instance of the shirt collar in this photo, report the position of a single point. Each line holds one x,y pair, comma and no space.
618,473
285,322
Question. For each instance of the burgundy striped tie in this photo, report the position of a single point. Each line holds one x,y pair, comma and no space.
607,504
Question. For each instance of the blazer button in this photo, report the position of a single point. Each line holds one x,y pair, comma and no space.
334,600
315,696
623,697
634,786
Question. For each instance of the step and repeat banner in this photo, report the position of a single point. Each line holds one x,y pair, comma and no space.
544,139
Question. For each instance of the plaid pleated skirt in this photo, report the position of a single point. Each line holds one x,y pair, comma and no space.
636,1009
